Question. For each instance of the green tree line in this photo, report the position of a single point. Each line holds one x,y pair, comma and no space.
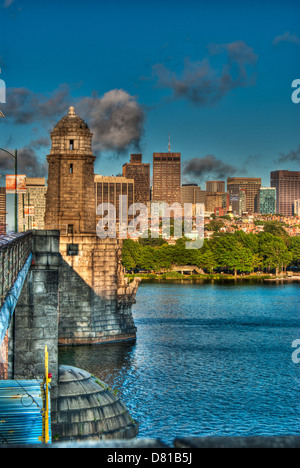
272,250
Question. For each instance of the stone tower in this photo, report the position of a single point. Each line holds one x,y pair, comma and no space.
95,300
70,197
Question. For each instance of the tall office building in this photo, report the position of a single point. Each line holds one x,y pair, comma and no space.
32,204
192,193
109,189
267,200
213,201
287,184
166,178
215,186
297,207
2,210
251,186
237,199
140,173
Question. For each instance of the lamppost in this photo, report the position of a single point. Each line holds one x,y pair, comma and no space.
15,157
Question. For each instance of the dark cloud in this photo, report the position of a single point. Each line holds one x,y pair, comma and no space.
292,156
40,143
286,37
204,84
28,162
116,119
208,166
25,107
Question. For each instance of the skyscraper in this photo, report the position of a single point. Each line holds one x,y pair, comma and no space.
267,200
251,185
34,199
215,186
287,184
109,190
192,193
167,178
297,207
237,199
2,210
213,201
140,173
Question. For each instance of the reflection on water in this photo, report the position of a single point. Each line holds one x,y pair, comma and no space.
110,361
210,359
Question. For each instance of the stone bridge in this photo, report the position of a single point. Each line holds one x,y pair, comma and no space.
48,297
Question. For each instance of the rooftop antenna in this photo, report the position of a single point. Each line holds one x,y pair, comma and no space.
169,145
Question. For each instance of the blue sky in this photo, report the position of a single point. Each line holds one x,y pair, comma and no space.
214,75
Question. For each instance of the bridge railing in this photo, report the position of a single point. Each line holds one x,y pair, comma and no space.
14,251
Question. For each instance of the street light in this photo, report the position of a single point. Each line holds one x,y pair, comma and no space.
15,157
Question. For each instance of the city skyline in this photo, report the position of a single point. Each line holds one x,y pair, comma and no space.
201,70
205,74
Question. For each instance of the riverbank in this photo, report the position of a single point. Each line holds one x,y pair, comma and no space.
285,279
175,276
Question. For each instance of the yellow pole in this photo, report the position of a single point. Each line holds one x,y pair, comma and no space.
46,419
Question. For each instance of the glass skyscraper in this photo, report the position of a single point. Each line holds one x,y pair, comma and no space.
267,200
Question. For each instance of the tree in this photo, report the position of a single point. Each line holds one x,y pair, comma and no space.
214,225
208,261
276,255
276,229
130,254
295,250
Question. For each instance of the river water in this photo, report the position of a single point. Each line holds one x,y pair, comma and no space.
210,359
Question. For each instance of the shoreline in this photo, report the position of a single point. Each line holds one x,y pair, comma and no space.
208,278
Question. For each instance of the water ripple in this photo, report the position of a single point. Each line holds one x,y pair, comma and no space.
209,360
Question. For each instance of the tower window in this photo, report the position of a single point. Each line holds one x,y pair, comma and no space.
72,249
71,145
71,169
70,229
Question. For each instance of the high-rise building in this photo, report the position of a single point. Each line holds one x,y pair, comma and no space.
140,173
225,202
297,207
215,186
267,200
237,199
287,184
32,204
109,190
251,186
213,201
166,178
192,193
2,210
